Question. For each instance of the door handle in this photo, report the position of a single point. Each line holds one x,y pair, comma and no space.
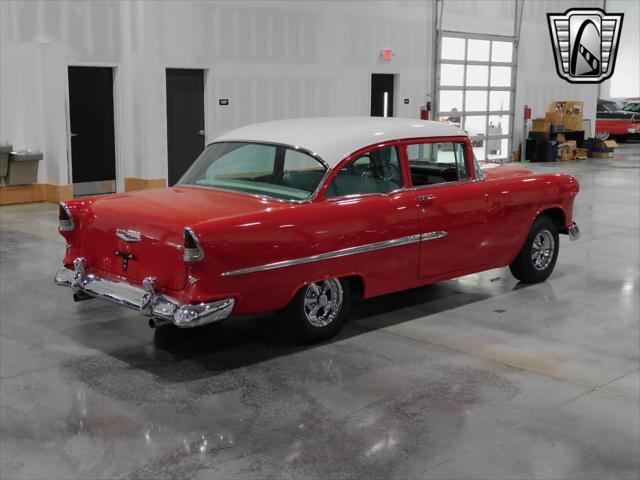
201,133
74,135
426,199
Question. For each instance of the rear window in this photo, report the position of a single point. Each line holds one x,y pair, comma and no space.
264,169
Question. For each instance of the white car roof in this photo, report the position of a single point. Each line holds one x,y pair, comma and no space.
333,138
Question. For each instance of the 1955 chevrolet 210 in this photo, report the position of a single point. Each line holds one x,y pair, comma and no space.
302,216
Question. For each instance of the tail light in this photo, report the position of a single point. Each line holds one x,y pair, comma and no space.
65,219
192,249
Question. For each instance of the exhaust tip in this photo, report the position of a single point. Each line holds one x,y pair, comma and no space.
157,322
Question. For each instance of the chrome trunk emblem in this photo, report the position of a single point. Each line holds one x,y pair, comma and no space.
128,235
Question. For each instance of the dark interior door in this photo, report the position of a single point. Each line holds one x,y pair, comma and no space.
185,119
382,94
93,152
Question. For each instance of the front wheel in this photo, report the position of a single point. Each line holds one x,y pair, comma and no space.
317,311
538,256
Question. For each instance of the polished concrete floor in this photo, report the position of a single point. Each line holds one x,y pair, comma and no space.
474,378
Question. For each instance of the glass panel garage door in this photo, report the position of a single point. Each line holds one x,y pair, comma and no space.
475,82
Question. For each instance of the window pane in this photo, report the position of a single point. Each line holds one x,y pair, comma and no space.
478,148
432,163
478,50
499,101
450,100
477,75
475,100
377,171
452,119
461,163
501,51
476,125
498,149
498,125
451,74
452,48
253,168
500,76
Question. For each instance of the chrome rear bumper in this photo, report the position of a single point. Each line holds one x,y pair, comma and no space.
145,300
574,231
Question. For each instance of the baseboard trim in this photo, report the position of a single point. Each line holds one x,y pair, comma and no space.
37,192
132,184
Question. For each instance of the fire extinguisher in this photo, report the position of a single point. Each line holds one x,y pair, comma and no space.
425,111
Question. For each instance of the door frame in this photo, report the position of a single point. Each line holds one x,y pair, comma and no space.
208,107
117,117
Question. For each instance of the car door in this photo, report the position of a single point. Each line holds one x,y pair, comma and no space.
368,205
460,214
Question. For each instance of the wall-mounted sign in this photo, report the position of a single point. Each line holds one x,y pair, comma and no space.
223,101
387,54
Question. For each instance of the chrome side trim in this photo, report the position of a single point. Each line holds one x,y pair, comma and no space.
396,242
432,235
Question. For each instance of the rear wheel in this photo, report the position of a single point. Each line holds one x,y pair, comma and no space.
317,311
538,256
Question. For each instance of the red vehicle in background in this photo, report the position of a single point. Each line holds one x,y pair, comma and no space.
613,121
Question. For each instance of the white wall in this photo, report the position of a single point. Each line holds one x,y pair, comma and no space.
625,81
272,59
538,83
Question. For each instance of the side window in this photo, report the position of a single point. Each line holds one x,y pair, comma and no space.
432,163
377,171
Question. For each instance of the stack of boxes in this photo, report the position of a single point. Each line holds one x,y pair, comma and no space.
560,135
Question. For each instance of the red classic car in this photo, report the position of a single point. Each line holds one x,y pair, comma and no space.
302,216
621,123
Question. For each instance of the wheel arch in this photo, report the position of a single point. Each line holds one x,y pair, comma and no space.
556,214
357,284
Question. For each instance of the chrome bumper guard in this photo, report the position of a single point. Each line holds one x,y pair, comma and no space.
574,231
145,299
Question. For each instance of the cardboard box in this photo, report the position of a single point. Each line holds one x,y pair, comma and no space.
515,156
554,118
571,145
540,125
602,154
580,154
573,115
603,145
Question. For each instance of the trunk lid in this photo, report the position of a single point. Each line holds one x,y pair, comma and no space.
140,234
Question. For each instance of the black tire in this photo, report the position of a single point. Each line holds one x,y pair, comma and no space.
296,322
528,269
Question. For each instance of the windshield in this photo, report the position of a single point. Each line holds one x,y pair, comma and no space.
257,168
607,106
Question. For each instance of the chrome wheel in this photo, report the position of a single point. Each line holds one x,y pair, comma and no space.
322,302
542,250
